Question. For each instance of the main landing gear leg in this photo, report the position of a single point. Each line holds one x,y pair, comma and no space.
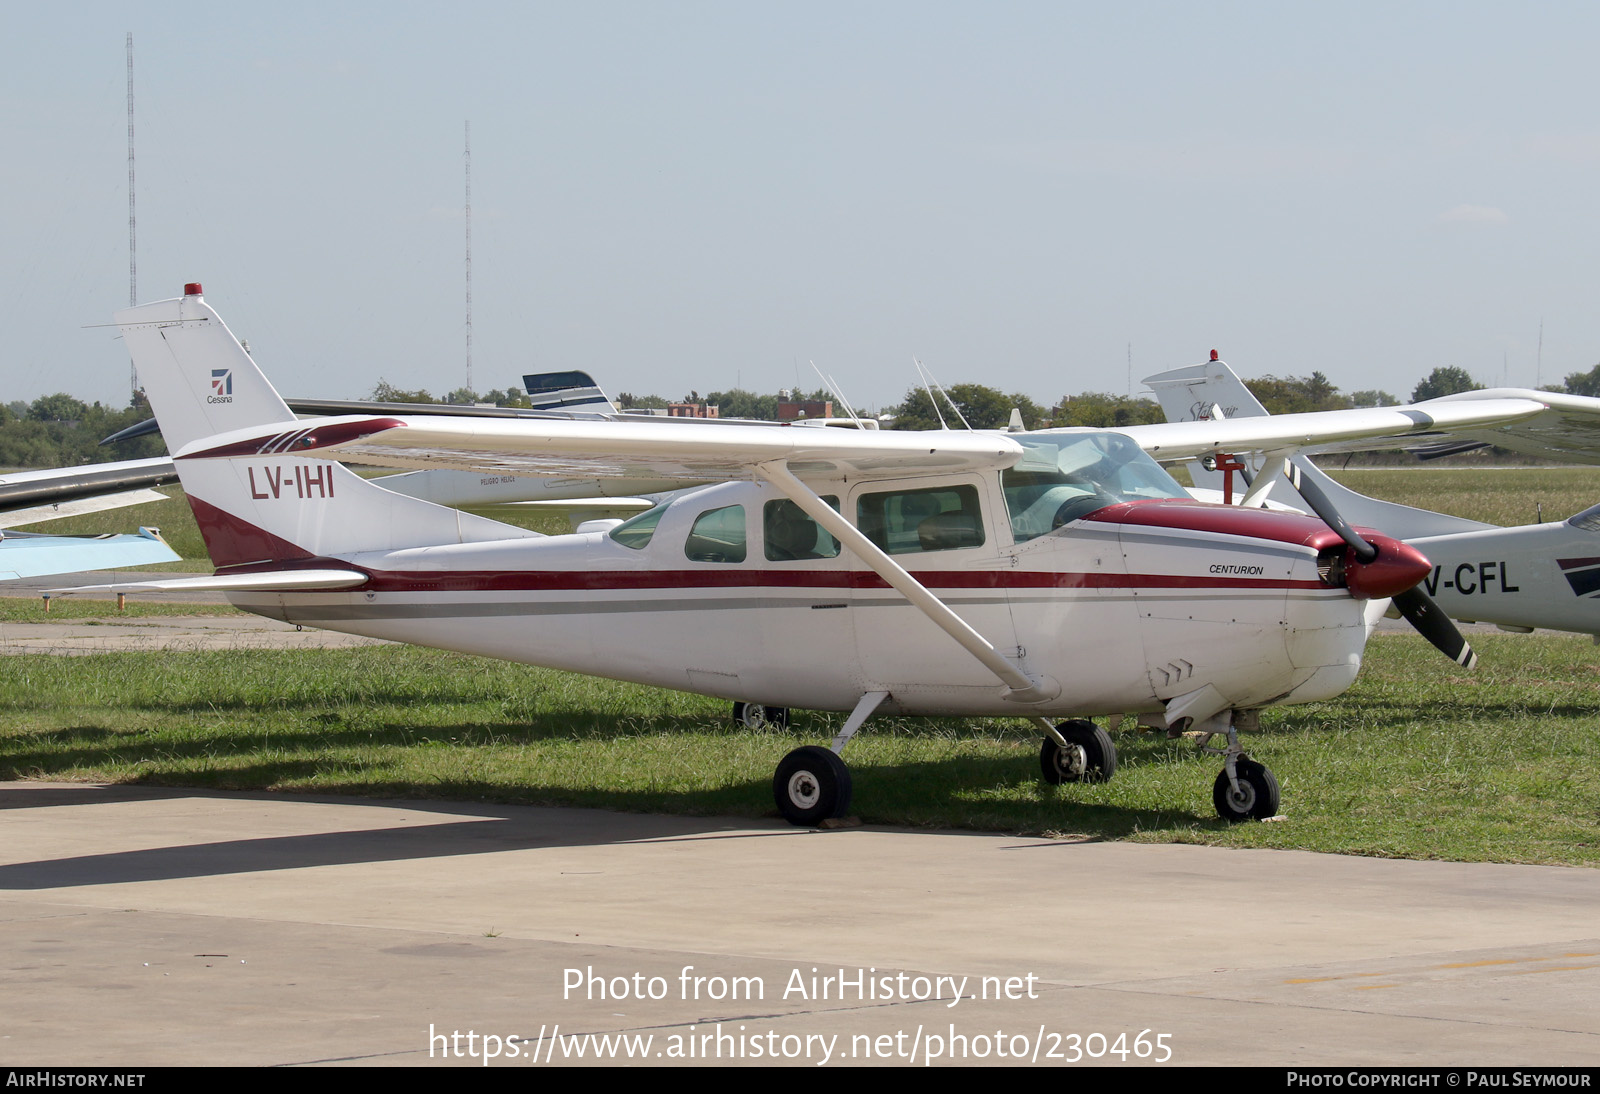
812,784
1076,752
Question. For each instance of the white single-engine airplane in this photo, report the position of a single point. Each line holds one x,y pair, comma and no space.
1046,575
1522,578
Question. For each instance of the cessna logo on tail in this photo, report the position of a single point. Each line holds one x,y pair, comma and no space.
221,386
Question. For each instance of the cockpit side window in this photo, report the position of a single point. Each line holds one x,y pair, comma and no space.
790,535
717,536
940,518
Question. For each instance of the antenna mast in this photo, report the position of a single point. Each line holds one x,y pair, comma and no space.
467,159
1538,375
133,238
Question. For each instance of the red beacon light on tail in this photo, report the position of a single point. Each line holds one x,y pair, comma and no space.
192,289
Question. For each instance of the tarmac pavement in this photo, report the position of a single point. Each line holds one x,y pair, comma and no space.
146,926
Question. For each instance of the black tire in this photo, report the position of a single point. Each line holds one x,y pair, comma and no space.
1257,798
755,716
1089,758
811,785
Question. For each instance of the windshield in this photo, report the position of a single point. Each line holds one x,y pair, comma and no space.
1064,476
636,532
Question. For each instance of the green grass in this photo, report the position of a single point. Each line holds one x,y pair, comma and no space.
17,609
1419,760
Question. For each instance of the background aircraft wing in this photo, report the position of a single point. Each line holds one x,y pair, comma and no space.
28,497
23,554
1567,431
681,451
1337,430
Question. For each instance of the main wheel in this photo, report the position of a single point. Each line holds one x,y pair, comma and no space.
1089,757
756,716
811,785
1256,799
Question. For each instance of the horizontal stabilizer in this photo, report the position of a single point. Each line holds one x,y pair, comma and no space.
276,580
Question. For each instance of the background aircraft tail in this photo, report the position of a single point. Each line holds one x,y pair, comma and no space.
1212,390
265,506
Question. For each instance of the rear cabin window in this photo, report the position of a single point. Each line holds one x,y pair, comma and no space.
942,518
790,535
717,536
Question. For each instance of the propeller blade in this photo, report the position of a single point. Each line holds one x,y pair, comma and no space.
1414,604
1422,613
1324,508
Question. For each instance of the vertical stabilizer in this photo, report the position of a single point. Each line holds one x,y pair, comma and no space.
273,507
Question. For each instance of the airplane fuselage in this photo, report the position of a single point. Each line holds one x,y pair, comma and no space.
1138,604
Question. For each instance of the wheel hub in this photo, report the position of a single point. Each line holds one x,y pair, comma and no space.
1242,797
803,790
1073,761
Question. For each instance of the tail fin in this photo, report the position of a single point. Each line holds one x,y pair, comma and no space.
265,508
1212,390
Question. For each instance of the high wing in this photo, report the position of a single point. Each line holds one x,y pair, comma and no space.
679,452
1339,430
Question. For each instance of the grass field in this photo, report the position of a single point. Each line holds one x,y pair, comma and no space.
1419,759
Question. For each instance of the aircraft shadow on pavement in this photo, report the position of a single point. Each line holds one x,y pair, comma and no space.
476,828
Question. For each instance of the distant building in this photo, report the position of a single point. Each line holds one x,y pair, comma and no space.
790,411
690,410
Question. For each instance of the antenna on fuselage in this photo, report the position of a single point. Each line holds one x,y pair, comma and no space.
933,400
953,404
837,393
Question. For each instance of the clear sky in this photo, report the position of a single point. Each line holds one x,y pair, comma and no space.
680,196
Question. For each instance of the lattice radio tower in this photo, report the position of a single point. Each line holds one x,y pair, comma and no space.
467,160
133,235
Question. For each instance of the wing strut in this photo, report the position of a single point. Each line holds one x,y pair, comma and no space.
1024,689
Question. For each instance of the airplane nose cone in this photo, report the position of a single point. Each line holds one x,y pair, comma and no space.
1397,568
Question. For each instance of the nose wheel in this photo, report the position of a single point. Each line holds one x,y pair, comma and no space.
1251,795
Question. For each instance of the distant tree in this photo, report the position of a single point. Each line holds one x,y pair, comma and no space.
463,396
626,400
1373,398
1583,383
386,392
59,407
1445,380
739,403
1101,410
983,407
1297,394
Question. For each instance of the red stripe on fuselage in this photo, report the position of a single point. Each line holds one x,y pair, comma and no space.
429,581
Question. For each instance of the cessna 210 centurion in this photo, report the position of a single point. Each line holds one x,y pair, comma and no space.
1046,575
